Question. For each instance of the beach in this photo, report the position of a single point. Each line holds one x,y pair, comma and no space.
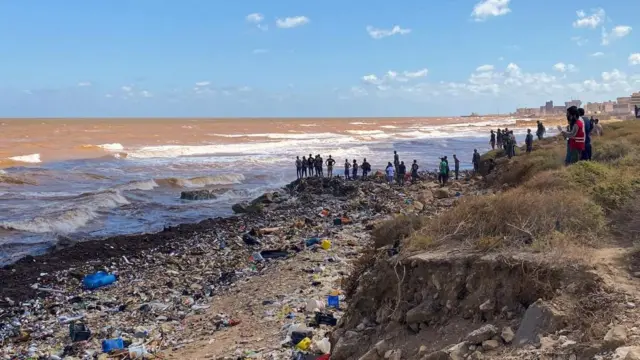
69,180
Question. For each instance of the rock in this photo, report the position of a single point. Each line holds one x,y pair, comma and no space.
239,208
381,347
426,197
418,314
370,355
266,198
633,353
616,337
242,208
458,351
202,194
422,351
490,345
482,334
476,355
436,355
541,317
441,193
418,205
487,306
393,354
507,335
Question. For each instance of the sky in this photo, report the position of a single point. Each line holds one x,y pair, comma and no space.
291,58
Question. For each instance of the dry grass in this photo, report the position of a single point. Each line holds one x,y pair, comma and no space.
393,231
514,218
364,263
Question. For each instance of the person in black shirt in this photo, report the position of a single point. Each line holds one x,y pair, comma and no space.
304,167
311,165
355,169
346,169
456,165
476,160
414,171
298,167
529,141
366,168
330,163
402,170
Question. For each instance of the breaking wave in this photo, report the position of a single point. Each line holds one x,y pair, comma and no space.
108,147
69,215
138,185
202,181
32,158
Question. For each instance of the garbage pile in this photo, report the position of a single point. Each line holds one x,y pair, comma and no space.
138,305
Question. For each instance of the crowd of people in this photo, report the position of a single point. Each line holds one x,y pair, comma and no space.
578,134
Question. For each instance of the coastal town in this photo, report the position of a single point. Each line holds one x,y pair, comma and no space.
625,106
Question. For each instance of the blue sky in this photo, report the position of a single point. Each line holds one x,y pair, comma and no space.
311,58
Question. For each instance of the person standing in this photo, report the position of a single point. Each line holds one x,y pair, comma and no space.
320,164
448,168
414,171
366,168
476,160
529,141
346,169
298,167
512,144
499,138
311,164
354,169
540,131
402,172
396,160
443,173
390,173
492,141
576,135
304,166
456,165
330,163
586,154
597,128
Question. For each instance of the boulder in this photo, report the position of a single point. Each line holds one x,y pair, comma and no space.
458,351
489,345
370,355
240,208
540,318
266,198
441,193
482,334
202,194
393,354
436,355
633,353
507,335
616,337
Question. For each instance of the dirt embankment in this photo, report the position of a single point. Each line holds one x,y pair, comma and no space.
543,268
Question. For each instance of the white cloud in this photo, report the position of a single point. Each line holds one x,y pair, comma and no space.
84,84
260,51
580,41
371,79
614,75
618,32
484,68
145,93
416,74
597,54
291,22
108,96
203,83
489,8
255,18
634,59
383,33
126,89
562,67
591,21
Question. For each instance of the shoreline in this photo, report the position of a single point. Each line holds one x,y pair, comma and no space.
190,263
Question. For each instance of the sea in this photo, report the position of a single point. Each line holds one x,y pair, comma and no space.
87,179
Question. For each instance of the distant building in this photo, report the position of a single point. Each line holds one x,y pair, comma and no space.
571,103
548,107
559,110
624,100
635,99
623,109
608,106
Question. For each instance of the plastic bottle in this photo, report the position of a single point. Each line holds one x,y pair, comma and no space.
304,344
97,280
325,244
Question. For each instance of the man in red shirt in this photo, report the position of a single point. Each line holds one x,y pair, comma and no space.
576,135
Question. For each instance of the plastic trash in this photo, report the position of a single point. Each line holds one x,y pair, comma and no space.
323,346
304,344
250,239
79,332
109,345
97,280
314,305
333,301
326,319
273,254
312,241
256,256
137,351
326,244
337,221
298,336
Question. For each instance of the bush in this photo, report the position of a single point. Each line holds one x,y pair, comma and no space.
611,150
524,167
514,217
396,229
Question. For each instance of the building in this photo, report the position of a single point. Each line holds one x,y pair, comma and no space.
635,99
624,100
623,109
559,110
527,112
576,103
548,107
594,108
